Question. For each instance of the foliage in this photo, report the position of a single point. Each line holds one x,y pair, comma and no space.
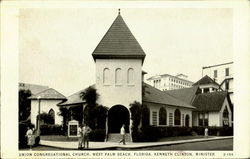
214,131
136,113
77,113
100,114
46,118
145,115
90,95
135,109
64,112
24,104
48,129
22,139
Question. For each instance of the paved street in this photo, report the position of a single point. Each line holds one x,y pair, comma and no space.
226,144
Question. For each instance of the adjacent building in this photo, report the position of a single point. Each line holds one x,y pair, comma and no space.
213,105
222,74
166,82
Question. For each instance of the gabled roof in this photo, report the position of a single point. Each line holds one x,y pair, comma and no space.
34,88
205,80
210,101
154,95
48,94
118,42
75,98
185,94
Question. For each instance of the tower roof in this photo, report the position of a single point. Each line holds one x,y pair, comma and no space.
118,42
205,80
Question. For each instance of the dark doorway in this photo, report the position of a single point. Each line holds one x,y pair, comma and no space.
117,116
187,121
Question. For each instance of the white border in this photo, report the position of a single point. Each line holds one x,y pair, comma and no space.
9,65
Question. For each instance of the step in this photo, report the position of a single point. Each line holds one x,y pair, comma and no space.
116,137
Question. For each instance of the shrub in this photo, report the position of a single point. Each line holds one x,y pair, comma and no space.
214,131
97,135
47,129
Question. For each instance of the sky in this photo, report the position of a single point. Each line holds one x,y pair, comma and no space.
55,45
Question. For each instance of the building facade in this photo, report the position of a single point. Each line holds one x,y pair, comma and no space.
46,102
166,82
222,74
213,105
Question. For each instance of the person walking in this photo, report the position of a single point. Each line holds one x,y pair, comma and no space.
29,135
80,137
206,132
86,132
123,133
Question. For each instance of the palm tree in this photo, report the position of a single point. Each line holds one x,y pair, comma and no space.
90,95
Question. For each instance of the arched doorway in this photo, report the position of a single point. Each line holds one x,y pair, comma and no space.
117,116
187,120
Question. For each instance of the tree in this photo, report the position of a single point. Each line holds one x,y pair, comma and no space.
100,114
145,115
90,95
135,109
46,118
64,112
24,104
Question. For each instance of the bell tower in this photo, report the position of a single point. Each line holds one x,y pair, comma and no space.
119,59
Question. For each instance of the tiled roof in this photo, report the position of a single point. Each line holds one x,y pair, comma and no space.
118,42
34,88
48,94
205,80
154,95
74,98
210,101
185,94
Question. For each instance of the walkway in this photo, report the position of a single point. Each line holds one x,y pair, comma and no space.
112,145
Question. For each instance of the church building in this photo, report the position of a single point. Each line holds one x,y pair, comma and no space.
119,82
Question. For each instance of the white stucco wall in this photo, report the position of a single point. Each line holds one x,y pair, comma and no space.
112,94
195,119
226,104
170,109
45,106
214,119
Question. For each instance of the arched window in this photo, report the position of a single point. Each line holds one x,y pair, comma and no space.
106,76
187,118
130,76
52,115
118,76
162,116
177,117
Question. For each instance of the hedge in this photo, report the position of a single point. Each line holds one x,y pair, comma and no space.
47,129
97,135
151,133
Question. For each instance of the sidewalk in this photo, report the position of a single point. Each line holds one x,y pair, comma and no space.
72,145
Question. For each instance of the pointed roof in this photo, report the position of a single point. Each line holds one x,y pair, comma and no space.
48,94
154,95
75,98
118,42
210,101
205,80
185,94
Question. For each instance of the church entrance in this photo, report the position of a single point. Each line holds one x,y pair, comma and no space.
117,116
